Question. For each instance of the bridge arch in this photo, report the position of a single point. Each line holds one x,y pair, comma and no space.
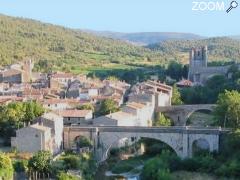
174,142
207,110
180,113
196,110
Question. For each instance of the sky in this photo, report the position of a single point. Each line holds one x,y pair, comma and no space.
129,15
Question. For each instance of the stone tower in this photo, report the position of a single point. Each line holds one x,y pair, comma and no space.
197,61
27,68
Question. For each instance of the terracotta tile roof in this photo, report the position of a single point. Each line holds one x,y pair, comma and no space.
74,113
62,75
135,105
6,99
10,72
184,82
158,85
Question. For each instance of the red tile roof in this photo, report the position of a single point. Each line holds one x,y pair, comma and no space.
74,113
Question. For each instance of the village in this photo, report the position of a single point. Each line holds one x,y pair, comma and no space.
62,93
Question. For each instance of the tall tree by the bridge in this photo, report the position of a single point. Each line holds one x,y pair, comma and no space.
161,120
227,111
176,96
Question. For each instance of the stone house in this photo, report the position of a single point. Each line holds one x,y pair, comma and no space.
77,117
55,122
17,73
33,139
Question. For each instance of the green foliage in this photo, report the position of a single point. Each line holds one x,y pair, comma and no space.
161,120
82,162
215,85
88,106
65,176
159,167
228,109
108,106
71,162
121,168
219,48
176,96
6,168
55,47
82,141
176,70
20,165
127,165
16,115
41,162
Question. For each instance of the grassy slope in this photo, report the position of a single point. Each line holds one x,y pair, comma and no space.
21,38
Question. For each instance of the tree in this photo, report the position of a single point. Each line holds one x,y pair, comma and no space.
227,112
161,120
65,176
176,96
108,106
82,141
15,115
88,106
175,70
41,162
6,168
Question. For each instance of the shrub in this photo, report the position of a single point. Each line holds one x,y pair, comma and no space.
6,168
164,174
20,165
190,164
71,162
65,176
121,168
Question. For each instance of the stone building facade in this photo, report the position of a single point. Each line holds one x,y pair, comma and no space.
199,72
32,139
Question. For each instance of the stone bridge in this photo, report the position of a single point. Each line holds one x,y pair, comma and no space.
180,113
180,139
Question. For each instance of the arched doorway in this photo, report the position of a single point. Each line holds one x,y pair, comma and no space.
201,118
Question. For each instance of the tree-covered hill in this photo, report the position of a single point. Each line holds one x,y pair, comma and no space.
68,49
21,38
219,48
